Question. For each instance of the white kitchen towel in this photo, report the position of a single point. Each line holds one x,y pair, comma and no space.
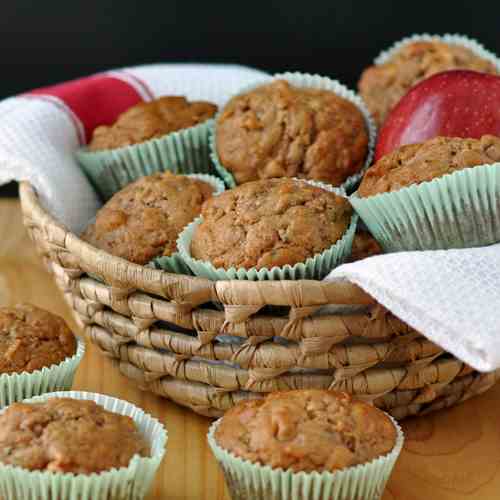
452,297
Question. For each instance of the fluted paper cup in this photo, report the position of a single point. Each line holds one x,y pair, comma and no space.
127,483
247,480
18,386
183,152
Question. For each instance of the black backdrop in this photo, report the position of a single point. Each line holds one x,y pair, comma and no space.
46,41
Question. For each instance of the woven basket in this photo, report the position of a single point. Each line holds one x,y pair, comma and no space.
208,345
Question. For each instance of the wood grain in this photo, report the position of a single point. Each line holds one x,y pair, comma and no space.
452,455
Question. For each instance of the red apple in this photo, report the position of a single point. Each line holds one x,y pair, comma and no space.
455,103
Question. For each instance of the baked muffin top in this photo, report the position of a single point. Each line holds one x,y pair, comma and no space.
143,220
416,163
68,435
148,120
269,223
278,130
306,430
31,338
383,85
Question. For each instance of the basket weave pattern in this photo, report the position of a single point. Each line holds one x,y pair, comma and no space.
208,345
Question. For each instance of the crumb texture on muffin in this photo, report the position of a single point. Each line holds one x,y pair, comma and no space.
31,338
149,120
307,430
416,163
278,130
143,220
68,435
382,86
269,223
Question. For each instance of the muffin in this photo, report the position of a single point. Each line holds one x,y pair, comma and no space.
31,338
81,445
440,194
272,223
68,435
383,85
167,134
416,163
150,120
143,220
318,440
38,353
283,130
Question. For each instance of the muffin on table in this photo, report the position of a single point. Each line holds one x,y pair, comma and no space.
270,223
31,339
144,219
281,130
417,163
150,120
323,440
68,435
440,194
383,85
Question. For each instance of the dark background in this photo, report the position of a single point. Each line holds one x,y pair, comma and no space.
46,41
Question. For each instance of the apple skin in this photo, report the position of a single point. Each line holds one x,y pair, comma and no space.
456,103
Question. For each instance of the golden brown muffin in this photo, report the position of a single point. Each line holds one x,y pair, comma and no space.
68,435
306,430
143,220
31,338
278,130
364,245
269,223
416,163
149,120
383,85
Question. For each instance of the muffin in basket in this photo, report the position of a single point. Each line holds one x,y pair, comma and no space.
296,444
169,133
295,126
443,193
270,229
38,353
78,445
383,85
143,220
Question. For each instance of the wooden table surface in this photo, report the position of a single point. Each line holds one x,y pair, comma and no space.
451,455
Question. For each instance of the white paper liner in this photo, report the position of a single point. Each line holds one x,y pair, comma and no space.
18,386
305,80
247,480
457,210
452,39
127,483
313,268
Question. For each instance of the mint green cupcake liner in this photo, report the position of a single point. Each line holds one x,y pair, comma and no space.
458,210
127,483
247,480
313,268
451,39
304,80
18,386
182,152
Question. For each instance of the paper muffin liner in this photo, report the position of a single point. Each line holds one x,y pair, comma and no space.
304,80
127,483
183,152
458,210
451,39
18,386
258,482
313,268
